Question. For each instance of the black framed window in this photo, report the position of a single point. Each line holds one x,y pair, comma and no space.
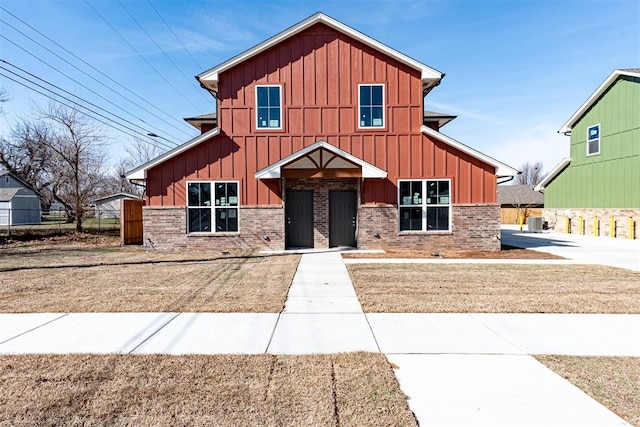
371,106
268,107
203,216
424,205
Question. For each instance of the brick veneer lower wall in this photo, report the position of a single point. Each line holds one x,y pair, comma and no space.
165,228
556,220
475,227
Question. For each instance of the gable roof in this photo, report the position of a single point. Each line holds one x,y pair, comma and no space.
519,195
502,169
140,173
430,77
116,196
6,194
20,180
198,121
595,96
553,173
441,118
273,170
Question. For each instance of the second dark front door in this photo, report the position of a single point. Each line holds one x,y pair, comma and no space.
299,219
343,205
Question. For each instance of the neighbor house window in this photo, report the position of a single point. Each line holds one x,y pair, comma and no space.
268,107
371,106
593,140
207,217
425,205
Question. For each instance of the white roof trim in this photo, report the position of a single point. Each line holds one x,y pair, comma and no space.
502,169
273,170
566,128
551,175
140,173
430,76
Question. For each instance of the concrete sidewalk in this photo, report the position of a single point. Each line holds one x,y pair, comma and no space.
456,369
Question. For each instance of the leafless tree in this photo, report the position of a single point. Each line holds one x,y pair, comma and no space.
4,97
138,152
77,149
531,174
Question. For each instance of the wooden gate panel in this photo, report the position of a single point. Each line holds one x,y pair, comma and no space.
131,229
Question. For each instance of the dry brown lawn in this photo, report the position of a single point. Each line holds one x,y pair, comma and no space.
507,252
227,284
612,381
489,288
350,389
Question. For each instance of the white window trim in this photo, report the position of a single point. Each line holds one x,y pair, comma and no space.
599,140
212,207
256,107
425,206
384,107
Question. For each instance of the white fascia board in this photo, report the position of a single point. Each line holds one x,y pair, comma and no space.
140,173
430,76
552,174
502,169
566,128
274,170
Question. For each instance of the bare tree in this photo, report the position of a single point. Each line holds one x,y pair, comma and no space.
77,148
531,174
139,152
4,97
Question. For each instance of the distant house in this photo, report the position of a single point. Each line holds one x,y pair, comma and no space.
519,201
321,139
109,206
600,182
19,202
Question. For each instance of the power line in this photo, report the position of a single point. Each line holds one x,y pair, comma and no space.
69,93
190,80
76,108
174,35
96,70
140,55
71,78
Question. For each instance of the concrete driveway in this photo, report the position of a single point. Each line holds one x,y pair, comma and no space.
614,252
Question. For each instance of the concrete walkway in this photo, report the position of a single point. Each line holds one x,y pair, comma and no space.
457,369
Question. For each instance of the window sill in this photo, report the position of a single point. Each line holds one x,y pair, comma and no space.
213,234
429,233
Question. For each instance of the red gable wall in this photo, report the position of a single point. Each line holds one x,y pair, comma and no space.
319,70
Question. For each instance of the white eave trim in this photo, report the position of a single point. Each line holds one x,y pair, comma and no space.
566,128
430,76
140,173
273,171
552,174
502,169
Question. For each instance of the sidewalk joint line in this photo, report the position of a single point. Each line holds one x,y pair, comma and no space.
33,329
161,327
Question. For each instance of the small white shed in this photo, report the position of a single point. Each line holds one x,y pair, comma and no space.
19,203
109,206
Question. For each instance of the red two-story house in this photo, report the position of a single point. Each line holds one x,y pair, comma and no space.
320,140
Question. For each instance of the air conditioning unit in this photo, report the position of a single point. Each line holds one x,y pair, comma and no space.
535,223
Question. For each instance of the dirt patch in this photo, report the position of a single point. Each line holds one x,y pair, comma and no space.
612,381
234,284
507,252
495,288
353,389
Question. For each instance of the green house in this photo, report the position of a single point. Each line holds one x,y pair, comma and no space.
597,190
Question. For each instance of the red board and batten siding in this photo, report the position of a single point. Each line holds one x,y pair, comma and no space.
319,71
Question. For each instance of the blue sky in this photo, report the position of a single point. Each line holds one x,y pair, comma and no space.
515,70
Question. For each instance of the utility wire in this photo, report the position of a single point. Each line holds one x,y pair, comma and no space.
67,92
92,67
77,108
175,35
190,80
140,55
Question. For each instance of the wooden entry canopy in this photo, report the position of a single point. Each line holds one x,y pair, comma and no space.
321,160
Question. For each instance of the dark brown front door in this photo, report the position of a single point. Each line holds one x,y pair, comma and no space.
343,214
299,219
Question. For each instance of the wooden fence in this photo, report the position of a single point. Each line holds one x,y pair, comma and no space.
510,215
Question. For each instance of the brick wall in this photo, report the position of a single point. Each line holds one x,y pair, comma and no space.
165,229
556,221
475,227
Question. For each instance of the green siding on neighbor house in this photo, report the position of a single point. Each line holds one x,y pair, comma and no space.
610,179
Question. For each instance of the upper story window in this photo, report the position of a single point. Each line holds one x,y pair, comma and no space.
593,140
217,217
269,107
425,205
371,106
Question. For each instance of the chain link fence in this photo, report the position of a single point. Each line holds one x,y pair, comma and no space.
21,221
